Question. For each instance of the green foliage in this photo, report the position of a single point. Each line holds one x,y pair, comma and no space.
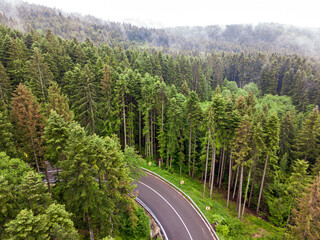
307,215
27,226
56,133
138,230
33,194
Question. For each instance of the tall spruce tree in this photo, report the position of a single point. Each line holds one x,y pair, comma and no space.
28,124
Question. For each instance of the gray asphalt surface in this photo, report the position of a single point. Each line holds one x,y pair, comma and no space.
178,218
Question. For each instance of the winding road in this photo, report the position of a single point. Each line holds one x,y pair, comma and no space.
177,216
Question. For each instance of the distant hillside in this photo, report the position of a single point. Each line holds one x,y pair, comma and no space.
234,38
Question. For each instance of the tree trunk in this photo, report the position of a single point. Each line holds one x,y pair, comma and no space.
194,153
124,123
189,160
219,170
139,131
229,180
47,177
151,137
154,135
253,181
245,195
206,169
262,182
240,192
222,167
162,112
35,155
213,164
90,227
236,182
41,81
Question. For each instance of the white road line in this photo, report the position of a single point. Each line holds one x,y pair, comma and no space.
170,206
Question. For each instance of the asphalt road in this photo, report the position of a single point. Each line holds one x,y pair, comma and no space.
178,218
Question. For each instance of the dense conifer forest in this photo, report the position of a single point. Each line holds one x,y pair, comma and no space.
242,118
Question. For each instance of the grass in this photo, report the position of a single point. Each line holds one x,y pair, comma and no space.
252,227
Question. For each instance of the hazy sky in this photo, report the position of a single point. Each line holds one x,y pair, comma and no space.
168,13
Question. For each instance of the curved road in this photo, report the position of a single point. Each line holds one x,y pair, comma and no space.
178,218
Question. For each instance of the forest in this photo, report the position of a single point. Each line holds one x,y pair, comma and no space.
243,122
264,37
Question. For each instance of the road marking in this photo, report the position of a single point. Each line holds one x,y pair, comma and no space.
170,206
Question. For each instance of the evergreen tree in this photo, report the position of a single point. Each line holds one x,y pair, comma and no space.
287,135
307,146
28,123
5,88
58,102
33,194
194,114
39,75
6,132
271,130
84,100
307,214
56,133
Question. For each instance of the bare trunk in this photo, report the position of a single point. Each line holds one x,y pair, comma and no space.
206,169
262,182
235,185
47,177
213,164
154,135
189,160
162,112
222,167
245,195
229,180
124,123
90,227
139,131
219,170
240,192
35,155
253,181
171,163
41,82
151,137
194,153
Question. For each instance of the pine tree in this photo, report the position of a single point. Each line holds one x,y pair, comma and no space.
307,146
6,132
194,114
39,75
84,100
306,216
58,102
271,130
241,150
56,133
33,194
287,137
28,123
5,88
27,226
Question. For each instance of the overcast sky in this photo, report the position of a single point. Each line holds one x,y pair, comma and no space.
169,13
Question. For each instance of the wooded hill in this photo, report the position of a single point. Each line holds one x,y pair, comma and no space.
264,37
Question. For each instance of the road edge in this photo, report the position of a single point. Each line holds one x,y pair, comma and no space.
142,204
188,199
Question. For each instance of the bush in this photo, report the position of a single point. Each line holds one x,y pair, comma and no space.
138,230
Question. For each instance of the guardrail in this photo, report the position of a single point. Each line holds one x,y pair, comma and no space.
188,198
165,237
